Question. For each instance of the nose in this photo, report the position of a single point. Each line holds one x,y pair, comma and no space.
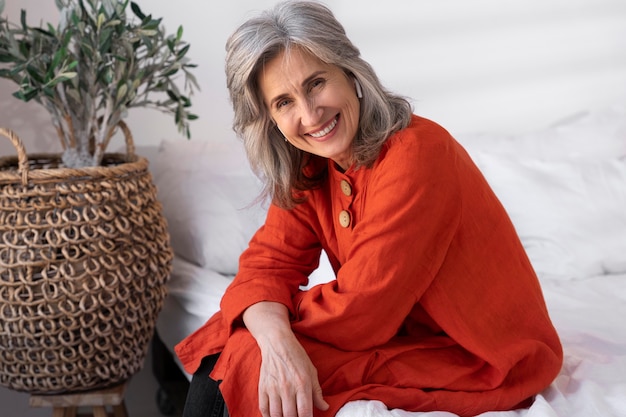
310,112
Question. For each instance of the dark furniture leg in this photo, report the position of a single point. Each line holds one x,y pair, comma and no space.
173,385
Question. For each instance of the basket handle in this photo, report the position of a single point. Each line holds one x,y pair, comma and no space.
128,137
23,166
21,153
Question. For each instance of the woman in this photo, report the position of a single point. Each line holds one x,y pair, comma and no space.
435,305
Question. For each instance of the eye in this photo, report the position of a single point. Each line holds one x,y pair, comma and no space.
282,103
316,84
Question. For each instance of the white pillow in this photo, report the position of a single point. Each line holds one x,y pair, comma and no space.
208,192
585,136
570,215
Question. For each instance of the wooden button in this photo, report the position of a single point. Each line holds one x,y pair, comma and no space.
346,188
344,218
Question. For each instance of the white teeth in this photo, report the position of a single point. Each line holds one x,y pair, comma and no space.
325,131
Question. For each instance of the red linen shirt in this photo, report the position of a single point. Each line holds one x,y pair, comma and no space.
435,305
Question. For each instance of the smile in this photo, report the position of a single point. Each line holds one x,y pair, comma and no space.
326,130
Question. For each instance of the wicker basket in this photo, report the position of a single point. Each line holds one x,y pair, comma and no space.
84,258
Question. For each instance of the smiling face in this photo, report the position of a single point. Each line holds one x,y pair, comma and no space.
314,104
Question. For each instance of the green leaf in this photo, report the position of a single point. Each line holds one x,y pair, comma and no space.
151,24
171,45
75,19
20,95
192,80
114,22
184,101
121,92
146,20
7,58
48,92
61,77
27,95
18,69
23,20
148,32
44,32
137,11
146,41
71,65
170,72
67,74
34,74
106,74
101,20
179,33
172,95
87,15
58,56
182,52
106,40
67,38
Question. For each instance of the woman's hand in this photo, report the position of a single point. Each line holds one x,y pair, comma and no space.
288,384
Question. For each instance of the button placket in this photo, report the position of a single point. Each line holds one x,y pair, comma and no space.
345,217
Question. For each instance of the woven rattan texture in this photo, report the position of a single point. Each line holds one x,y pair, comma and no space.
84,258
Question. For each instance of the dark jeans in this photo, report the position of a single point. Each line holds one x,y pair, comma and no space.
204,398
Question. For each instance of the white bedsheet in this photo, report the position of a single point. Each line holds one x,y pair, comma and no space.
589,315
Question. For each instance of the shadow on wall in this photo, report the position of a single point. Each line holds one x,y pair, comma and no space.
29,121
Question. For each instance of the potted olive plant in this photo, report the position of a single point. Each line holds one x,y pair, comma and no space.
97,63
84,247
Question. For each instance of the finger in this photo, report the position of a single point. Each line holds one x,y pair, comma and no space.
304,403
276,406
264,404
318,398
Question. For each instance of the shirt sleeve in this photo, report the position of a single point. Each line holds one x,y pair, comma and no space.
409,218
280,257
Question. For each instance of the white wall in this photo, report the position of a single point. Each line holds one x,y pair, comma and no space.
480,65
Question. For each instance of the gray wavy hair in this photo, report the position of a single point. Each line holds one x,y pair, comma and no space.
311,26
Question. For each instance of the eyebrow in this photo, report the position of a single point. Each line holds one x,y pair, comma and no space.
306,81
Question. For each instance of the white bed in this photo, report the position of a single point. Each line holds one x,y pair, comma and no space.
564,187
